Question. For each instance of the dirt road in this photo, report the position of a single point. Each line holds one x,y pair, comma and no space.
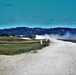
57,59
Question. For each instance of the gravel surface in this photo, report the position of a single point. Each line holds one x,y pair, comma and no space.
57,59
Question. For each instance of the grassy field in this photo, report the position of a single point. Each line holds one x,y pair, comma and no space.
68,40
15,45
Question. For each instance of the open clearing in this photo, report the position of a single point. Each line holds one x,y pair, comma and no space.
57,59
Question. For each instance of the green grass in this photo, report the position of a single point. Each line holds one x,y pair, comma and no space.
16,46
68,40
8,38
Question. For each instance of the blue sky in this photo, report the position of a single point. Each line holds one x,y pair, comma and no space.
37,13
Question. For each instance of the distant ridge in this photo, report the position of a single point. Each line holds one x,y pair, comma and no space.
37,31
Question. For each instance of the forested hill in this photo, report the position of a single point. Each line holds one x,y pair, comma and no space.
37,31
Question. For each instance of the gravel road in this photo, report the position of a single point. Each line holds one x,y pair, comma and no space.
57,59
